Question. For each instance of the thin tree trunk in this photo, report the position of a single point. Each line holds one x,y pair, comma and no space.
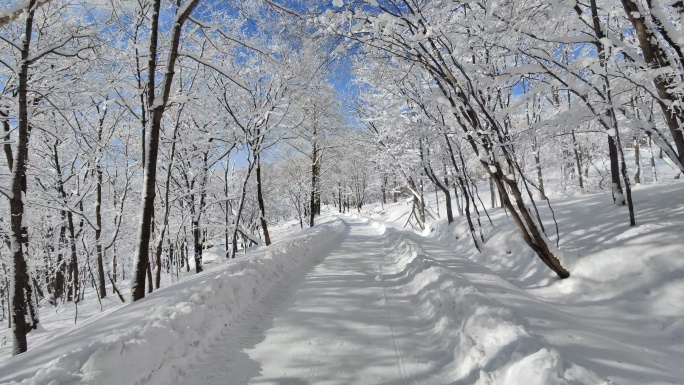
443,187
616,186
98,214
260,199
637,160
540,179
167,206
578,160
157,108
653,163
236,222
314,178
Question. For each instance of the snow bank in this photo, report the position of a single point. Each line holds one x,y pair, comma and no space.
484,341
153,340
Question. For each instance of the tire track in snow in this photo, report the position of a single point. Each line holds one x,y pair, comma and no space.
400,358
226,359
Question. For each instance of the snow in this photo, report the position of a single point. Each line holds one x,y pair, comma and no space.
343,325
619,314
155,338
361,301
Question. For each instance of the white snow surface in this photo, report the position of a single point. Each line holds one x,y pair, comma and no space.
421,323
358,301
152,340
621,312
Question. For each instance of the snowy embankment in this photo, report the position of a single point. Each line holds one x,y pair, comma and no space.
619,314
153,340
481,340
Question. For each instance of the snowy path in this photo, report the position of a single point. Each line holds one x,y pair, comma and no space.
340,324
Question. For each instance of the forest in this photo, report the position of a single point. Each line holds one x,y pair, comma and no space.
142,135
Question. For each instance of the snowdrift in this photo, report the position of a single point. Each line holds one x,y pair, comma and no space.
619,314
154,339
482,341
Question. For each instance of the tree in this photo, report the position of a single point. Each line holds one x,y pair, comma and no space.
156,103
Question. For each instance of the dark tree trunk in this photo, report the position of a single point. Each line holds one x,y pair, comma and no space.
314,178
526,225
666,86
339,197
60,268
618,196
197,243
73,274
73,261
24,313
260,199
435,180
653,163
165,222
613,138
98,217
578,160
236,222
152,137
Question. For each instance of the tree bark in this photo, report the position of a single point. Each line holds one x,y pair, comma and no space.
666,86
314,177
157,108
540,179
23,312
98,214
260,199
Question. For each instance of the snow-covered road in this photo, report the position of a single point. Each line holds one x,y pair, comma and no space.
339,324
384,307
353,301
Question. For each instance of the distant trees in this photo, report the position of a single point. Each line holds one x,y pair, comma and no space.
484,85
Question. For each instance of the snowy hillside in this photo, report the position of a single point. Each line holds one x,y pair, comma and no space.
620,313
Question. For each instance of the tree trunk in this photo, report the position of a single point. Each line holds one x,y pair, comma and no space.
637,160
98,218
60,269
260,199
197,243
653,163
443,187
236,222
167,207
23,311
314,179
616,186
578,160
150,150
666,86
540,179
73,261
157,108
528,229
73,289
